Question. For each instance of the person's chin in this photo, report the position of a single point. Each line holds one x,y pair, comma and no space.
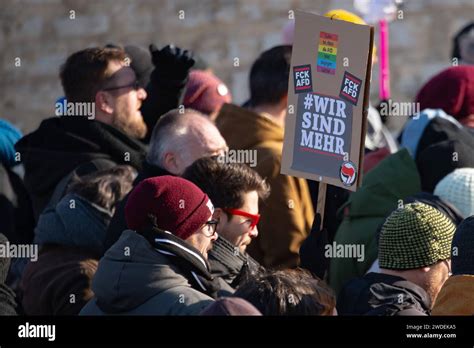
243,247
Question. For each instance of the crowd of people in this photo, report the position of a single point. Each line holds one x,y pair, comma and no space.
137,212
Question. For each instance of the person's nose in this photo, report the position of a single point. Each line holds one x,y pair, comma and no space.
214,237
142,94
254,233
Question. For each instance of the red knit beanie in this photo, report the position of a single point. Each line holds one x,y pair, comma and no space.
452,90
205,92
179,206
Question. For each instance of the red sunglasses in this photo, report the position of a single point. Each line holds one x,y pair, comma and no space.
255,217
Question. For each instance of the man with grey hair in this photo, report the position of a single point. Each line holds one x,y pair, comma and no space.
181,138
178,139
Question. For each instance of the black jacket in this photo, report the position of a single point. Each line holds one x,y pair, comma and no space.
62,144
229,264
382,295
118,223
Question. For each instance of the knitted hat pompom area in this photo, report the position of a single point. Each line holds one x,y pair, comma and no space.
177,205
414,236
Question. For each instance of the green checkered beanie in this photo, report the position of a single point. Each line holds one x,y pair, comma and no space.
415,236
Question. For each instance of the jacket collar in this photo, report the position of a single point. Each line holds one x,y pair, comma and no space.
193,264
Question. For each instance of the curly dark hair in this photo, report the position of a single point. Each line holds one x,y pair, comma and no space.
288,292
105,187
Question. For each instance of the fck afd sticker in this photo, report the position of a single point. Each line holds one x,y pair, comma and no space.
302,78
350,88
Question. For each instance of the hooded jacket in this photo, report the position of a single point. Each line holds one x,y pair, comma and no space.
71,237
134,278
287,214
393,179
456,296
73,222
60,145
382,295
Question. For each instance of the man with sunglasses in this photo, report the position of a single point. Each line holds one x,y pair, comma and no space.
159,265
76,143
236,191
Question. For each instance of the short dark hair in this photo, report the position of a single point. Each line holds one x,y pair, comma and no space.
85,72
104,188
225,183
288,292
269,76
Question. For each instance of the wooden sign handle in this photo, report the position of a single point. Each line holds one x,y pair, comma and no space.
320,205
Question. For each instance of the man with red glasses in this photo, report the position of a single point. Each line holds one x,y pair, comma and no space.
235,190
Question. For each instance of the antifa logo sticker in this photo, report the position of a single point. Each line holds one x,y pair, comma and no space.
348,173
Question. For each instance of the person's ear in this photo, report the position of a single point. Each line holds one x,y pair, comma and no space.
220,215
284,101
103,102
170,164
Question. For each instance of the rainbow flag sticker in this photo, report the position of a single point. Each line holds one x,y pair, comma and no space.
327,53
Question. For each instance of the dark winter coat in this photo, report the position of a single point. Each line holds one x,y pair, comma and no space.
382,295
136,278
60,145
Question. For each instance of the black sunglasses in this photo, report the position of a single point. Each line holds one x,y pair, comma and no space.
134,85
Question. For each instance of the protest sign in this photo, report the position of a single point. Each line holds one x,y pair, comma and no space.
328,100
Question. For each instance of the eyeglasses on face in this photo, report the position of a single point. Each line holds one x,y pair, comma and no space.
135,85
254,218
211,227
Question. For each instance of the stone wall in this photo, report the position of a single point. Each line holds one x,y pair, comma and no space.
37,35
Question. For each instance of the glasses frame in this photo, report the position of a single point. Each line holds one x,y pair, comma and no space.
255,217
213,223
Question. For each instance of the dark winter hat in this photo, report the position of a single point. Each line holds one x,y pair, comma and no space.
230,306
439,159
452,90
178,206
415,236
462,259
205,92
